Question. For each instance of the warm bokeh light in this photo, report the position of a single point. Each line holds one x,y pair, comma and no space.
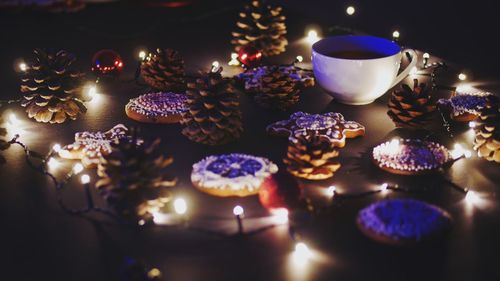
350,10
312,36
56,148
396,34
234,60
472,124
280,215
462,76
52,163
78,168
142,55
85,179
302,254
299,58
331,190
180,206
384,186
459,151
23,66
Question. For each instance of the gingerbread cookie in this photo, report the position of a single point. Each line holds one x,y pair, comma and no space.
330,125
90,146
464,107
402,221
160,107
232,174
251,79
410,156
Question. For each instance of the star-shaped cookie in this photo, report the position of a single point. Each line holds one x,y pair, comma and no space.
330,125
90,146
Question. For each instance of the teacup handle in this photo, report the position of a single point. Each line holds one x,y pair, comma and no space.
408,68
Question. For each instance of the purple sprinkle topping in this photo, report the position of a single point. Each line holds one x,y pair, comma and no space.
403,219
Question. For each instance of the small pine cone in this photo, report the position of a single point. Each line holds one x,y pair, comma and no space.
214,116
261,26
277,90
52,87
311,157
164,70
411,108
132,178
487,141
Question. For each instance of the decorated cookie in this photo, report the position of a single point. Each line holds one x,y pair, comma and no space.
410,156
232,174
251,79
464,107
90,146
160,107
402,221
330,125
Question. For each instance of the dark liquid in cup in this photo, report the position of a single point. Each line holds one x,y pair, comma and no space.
356,55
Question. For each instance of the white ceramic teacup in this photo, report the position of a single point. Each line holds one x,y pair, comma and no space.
354,79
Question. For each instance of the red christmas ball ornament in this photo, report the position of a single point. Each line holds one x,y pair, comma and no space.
250,56
280,190
107,62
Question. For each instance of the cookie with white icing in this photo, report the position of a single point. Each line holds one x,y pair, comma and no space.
232,174
90,146
160,107
403,221
464,107
410,156
330,125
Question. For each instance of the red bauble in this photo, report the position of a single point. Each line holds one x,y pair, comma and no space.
250,56
107,62
280,190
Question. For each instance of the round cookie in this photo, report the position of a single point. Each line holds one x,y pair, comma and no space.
160,107
410,156
232,174
402,221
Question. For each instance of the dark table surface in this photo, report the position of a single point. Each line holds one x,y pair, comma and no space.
39,241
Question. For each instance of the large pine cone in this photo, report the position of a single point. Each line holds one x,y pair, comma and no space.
487,141
52,87
261,26
277,90
3,142
311,157
411,107
164,70
214,117
133,179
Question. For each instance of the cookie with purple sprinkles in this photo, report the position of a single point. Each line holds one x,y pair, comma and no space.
463,107
160,107
411,156
403,221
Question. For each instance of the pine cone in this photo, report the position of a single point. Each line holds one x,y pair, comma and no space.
487,141
3,142
263,27
132,177
277,90
411,108
311,157
214,117
164,70
52,87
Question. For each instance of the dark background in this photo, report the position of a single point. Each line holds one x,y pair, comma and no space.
38,241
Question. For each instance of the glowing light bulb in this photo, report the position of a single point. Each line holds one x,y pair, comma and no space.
384,187
299,58
462,76
426,56
396,34
23,66
92,92
234,60
238,210
472,124
331,190
154,273
85,179
215,64
78,168
180,206
142,55
472,197
52,163
280,215
56,148
458,151
302,253
141,222
13,119
350,10
312,36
